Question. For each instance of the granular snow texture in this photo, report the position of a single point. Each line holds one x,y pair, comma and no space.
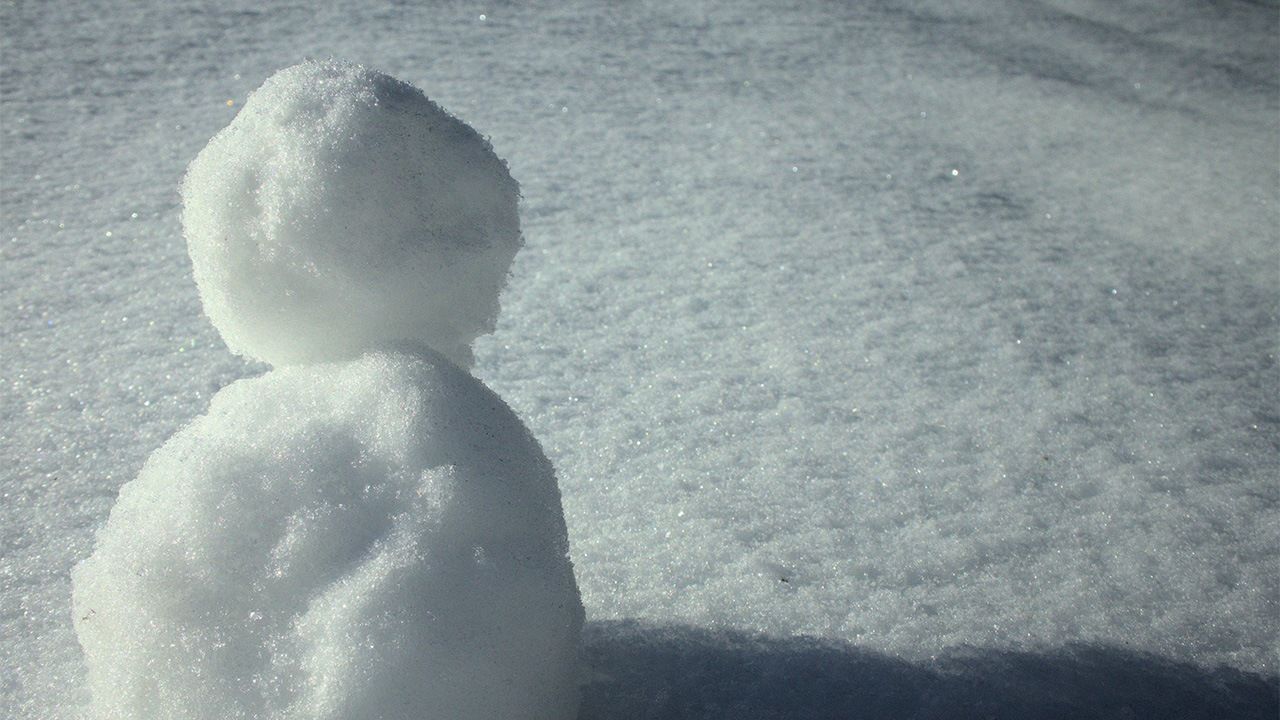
342,209
379,538
916,328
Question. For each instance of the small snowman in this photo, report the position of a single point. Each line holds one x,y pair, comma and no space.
365,532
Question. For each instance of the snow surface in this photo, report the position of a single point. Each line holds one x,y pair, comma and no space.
377,538
895,359
342,209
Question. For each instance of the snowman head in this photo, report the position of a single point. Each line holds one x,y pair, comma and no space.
341,211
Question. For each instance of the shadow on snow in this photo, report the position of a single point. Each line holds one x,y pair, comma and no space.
640,671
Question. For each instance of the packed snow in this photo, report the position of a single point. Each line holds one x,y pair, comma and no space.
342,209
378,538
896,359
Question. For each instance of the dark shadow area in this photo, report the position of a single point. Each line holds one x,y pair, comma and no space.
642,671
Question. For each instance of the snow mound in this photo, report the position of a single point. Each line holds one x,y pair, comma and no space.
342,209
380,538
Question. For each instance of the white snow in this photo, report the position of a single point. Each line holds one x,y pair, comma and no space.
374,538
379,538
341,209
1010,434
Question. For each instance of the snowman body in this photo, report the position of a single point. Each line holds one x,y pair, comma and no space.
377,538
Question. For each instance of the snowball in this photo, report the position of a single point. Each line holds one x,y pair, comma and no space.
342,209
380,538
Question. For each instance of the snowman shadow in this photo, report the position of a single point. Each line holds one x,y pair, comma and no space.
640,671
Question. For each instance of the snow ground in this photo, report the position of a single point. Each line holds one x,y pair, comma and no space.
892,360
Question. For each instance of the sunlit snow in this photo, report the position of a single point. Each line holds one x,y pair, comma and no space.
895,359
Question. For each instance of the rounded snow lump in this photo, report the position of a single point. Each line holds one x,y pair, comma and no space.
375,539
340,210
